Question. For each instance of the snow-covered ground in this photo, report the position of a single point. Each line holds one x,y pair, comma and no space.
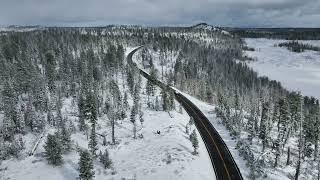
167,155
295,71
146,158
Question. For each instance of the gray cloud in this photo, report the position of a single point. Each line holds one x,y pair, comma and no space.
275,13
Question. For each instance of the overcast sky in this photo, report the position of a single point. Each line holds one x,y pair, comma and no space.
239,13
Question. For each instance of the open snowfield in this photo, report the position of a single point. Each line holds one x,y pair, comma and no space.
147,158
295,71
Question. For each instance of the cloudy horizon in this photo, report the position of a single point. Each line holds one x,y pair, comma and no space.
232,13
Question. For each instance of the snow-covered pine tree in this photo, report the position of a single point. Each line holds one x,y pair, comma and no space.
250,125
10,121
133,120
91,115
171,97
86,171
284,121
53,150
81,109
165,103
65,139
112,117
93,143
194,140
263,125
50,67
141,115
300,140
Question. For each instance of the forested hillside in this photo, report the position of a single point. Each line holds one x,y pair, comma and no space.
41,68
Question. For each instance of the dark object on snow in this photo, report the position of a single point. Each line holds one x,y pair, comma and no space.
158,132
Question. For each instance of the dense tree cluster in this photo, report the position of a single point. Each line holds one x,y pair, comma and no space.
296,46
277,33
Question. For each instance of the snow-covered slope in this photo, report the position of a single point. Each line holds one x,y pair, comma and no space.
167,155
147,158
296,71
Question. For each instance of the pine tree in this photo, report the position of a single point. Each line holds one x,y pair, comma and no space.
194,141
50,118
86,171
133,120
90,112
65,138
165,103
150,88
141,115
104,159
10,122
112,117
93,144
263,125
50,70
171,97
300,141
284,121
39,122
32,118
81,108
250,125
53,150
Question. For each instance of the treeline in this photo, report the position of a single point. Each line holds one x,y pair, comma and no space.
296,46
277,33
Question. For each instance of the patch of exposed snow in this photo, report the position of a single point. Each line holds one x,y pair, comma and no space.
296,71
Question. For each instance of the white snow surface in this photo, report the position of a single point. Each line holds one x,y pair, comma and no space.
295,71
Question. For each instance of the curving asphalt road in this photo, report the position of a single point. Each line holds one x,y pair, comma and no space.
221,158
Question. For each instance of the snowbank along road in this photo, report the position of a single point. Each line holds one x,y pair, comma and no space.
221,158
